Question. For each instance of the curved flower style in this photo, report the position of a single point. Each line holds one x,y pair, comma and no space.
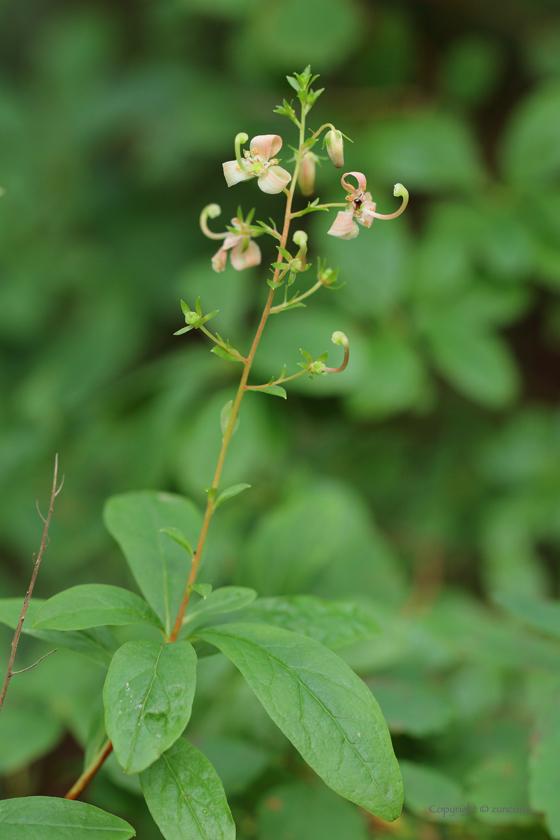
244,252
259,163
361,208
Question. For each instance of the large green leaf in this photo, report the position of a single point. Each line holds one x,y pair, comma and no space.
333,623
223,600
325,710
148,698
92,605
50,818
160,566
97,644
186,797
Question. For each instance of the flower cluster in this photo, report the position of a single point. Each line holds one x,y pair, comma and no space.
361,208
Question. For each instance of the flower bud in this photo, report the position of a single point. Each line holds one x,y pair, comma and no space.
306,177
338,337
300,238
335,147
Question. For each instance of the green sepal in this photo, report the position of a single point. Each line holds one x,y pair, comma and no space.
184,330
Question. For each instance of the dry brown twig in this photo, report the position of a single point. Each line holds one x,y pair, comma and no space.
44,543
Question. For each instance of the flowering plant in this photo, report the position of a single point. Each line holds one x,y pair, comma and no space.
316,700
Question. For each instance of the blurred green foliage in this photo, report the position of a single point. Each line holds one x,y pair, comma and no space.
423,483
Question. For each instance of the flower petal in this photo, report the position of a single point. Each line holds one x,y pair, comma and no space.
367,213
274,180
266,145
233,174
219,260
241,259
231,240
360,178
344,226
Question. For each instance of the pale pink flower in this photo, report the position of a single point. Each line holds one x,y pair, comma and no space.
260,163
361,208
244,252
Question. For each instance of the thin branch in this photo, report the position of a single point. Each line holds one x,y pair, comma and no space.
23,670
44,543
90,771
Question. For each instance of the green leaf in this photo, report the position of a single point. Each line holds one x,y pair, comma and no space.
178,537
186,797
202,589
92,605
324,709
304,812
332,623
159,565
51,818
148,698
225,417
97,644
224,354
275,390
223,600
427,792
230,493
539,615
